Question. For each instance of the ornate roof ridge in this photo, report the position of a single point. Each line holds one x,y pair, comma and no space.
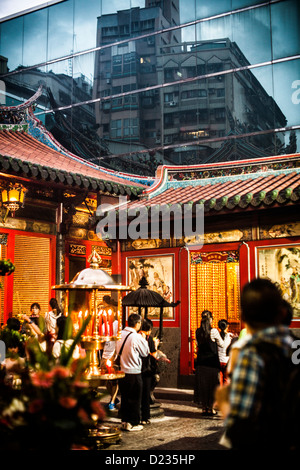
173,176
23,119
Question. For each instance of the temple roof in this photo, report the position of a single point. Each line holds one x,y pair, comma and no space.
227,186
235,149
28,149
22,154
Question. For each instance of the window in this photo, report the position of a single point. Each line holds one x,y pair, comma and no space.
129,87
170,74
147,24
116,90
168,97
213,68
124,29
116,129
117,64
32,262
130,127
130,99
168,120
219,114
116,102
194,71
129,62
193,94
150,124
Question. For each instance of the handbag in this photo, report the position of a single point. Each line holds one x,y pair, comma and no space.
207,354
146,365
117,360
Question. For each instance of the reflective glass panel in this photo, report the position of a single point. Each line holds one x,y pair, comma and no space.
187,13
215,29
61,30
24,85
85,24
183,93
207,9
285,28
287,90
235,4
251,33
35,38
11,45
113,6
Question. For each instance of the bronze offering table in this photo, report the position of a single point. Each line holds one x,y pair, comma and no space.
101,328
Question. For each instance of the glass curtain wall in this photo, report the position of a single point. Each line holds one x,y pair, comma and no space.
132,84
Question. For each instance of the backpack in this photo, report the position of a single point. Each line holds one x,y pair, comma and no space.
275,424
292,404
281,398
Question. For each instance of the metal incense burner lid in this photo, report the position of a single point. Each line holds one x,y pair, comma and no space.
93,275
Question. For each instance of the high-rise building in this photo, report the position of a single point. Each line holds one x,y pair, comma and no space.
207,101
128,66
160,92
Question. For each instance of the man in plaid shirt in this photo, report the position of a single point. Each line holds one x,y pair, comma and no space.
254,394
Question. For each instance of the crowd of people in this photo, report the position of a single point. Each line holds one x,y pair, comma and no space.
233,377
240,377
49,330
137,356
256,370
138,359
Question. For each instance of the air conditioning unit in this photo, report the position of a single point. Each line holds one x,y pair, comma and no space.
108,81
173,103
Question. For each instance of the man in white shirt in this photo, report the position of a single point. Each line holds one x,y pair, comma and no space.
135,347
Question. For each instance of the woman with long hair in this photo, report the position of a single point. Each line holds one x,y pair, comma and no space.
223,353
64,338
207,364
52,316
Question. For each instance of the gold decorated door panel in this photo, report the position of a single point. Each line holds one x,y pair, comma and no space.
32,273
215,286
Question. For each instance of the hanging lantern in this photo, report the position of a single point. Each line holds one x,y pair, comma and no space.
13,197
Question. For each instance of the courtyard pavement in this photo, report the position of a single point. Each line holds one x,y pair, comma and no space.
178,426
